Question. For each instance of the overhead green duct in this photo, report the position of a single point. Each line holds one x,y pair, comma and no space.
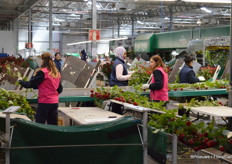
144,43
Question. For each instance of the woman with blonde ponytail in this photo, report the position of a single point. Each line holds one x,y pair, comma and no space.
47,80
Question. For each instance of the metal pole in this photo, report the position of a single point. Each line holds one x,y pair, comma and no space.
230,71
132,30
118,27
118,30
112,23
171,18
94,27
29,30
8,111
174,149
17,36
50,25
61,42
197,161
145,142
203,57
161,17
7,156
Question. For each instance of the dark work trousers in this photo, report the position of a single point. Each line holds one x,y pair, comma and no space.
47,112
117,108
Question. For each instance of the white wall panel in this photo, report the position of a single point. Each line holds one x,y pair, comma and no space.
8,42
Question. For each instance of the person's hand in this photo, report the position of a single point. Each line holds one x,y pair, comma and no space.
131,72
145,86
201,78
20,82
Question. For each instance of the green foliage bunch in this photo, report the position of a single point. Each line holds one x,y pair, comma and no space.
141,75
198,103
201,85
116,93
8,99
217,57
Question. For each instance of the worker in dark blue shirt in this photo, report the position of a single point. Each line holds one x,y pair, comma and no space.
187,75
58,61
84,56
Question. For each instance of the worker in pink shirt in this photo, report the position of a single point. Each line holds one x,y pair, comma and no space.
47,80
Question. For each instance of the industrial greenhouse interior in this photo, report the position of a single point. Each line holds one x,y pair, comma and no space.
115,81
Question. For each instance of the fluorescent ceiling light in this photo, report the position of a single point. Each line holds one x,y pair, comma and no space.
70,44
55,23
73,15
206,10
139,22
208,1
60,20
107,40
102,40
160,0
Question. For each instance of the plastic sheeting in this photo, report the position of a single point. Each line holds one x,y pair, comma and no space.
121,131
157,145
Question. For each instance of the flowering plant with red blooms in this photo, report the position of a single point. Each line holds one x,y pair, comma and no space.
116,93
17,61
195,135
107,68
141,75
207,72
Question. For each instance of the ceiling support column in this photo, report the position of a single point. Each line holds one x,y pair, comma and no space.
112,24
230,73
171,18
118,27
94,27
50,26
118,30
29,31
17,36
161,17
132,30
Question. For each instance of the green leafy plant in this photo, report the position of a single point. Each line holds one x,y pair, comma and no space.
217,57
8,99
141,75
202,85
116,93
198,103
